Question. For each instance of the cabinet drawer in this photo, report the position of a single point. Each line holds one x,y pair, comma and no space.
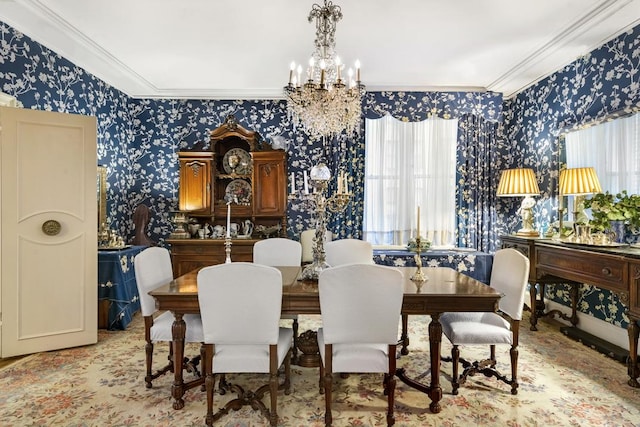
606,271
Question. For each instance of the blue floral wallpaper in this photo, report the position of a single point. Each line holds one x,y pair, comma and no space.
138,139
604,83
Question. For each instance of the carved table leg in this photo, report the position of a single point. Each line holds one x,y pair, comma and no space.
308,346
574,303
632,362
404,336
178,330
435,338
434,391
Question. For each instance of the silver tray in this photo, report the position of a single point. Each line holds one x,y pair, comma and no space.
597,245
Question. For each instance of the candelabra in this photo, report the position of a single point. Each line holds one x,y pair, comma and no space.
418,277
338,202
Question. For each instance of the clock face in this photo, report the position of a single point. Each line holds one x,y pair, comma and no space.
237,160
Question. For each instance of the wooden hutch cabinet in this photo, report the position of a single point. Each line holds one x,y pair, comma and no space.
240,168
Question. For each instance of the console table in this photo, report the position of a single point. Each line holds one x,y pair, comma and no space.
467,261
118,297
616,269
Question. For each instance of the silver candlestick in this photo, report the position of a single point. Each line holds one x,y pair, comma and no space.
227,249
320,176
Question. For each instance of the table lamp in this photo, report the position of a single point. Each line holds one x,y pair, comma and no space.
521,183
579,182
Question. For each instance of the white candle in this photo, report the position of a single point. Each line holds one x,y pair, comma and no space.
418,221
345,185
306,183
340,183
311,69
228,220
358,71
291,69
293,183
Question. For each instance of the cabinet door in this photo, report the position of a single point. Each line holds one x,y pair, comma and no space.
269,183
195,183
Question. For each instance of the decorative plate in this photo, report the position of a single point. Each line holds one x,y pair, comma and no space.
243,161
238,191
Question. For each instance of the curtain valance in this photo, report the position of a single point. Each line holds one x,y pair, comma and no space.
419,106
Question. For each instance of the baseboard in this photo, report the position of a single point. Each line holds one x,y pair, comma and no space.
613,351
590,331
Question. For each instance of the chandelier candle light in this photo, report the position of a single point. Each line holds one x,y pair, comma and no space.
325,104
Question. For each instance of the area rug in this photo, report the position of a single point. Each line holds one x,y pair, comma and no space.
562,383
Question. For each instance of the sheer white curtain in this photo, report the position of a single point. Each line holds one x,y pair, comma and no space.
409,164
613,149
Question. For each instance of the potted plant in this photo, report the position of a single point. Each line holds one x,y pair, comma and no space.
606,208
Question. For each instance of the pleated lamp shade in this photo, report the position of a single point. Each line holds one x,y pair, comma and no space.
518,182
579,181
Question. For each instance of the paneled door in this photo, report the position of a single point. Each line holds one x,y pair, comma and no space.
48,228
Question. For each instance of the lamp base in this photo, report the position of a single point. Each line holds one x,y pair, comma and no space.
527,233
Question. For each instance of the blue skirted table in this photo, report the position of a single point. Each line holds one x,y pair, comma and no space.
470,262
118,298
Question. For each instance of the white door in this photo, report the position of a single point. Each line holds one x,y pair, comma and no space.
48,227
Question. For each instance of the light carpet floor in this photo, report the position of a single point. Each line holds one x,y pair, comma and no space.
562,383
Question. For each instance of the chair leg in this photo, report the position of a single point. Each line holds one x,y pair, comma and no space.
328,380
294,356
390,387
209,382
203,357
455,359
514,369
321,378
273,392
148,349
287,374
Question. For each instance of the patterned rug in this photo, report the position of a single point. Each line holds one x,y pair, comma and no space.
562,383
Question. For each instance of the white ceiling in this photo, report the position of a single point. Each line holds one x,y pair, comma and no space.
241,49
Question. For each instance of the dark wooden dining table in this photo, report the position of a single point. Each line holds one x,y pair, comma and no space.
446,290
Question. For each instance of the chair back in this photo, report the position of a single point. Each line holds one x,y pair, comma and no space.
360,303
348,251
509,275
153,269
277,252
240,303
306,239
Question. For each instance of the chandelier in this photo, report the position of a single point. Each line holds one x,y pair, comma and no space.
324,101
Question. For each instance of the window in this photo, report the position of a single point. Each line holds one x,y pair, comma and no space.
409,164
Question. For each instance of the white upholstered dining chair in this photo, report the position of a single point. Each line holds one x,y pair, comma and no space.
509,275
359,335
284,253
348,251
153,269
240,304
